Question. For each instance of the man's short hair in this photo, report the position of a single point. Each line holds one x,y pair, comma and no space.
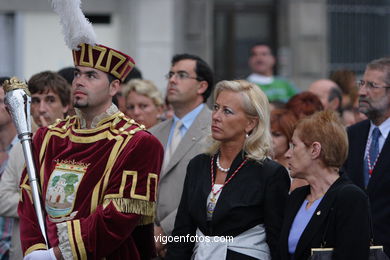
261,43
335,92
135,73
382,64
202,70
67,73
48,80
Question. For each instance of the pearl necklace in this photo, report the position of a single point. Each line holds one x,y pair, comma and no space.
220,167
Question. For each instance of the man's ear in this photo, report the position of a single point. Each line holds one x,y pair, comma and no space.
115,87
202,87
334,104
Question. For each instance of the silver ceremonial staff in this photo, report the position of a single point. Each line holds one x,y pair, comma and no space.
18,101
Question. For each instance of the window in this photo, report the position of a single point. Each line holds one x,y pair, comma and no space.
358,33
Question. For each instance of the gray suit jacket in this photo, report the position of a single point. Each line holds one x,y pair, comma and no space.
172,177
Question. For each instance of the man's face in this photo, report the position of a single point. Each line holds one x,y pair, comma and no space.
261,60
92,90
374,103
183,90
46,107
5,117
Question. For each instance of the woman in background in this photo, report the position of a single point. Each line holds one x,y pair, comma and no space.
282,128
304,104
144,102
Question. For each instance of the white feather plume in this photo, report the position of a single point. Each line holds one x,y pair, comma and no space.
75,26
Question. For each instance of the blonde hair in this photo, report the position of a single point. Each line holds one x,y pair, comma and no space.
145,88
258,145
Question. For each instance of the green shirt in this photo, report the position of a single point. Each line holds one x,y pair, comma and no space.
279,89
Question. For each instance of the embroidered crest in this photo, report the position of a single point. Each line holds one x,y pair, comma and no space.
62,189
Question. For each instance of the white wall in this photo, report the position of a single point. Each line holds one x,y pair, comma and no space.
146,30
147,34
45,48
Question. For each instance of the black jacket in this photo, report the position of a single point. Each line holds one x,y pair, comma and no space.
256,195
343,210
378,188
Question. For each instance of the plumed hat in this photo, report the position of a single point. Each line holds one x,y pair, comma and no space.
81,39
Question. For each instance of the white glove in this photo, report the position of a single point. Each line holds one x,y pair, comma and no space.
41,255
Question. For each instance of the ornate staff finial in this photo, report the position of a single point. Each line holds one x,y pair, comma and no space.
15,83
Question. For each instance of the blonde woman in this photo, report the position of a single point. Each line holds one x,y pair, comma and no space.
233,189
144,102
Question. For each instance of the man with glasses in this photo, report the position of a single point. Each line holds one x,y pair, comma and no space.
190,82
368,163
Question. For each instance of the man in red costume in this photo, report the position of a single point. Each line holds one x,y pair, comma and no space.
98,172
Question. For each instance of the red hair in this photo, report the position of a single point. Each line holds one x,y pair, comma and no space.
304,104
284,121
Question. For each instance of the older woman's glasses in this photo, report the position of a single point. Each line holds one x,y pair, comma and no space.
181,75
369,85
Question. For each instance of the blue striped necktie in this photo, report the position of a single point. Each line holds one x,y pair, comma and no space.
373,151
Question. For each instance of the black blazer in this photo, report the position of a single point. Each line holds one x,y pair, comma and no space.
344,208
378,188
256,195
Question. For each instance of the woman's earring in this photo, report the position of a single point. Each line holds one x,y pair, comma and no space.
246,135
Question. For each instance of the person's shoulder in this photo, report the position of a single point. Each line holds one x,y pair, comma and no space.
131,127
358,126
204,115
200,158
269,165
157,128
60,125
270,169
347,193
352,191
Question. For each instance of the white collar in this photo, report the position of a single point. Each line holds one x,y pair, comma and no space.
95,121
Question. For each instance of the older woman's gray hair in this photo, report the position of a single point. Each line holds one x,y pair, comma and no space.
145,88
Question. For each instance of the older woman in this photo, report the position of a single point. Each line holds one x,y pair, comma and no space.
234,189
330,211
144,102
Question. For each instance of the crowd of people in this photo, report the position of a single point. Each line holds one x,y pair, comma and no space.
122,164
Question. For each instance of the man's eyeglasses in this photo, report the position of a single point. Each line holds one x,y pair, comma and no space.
370,85
181,75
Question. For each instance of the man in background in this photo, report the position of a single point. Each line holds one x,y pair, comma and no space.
50,96
262,63
329,93
368,164
190,83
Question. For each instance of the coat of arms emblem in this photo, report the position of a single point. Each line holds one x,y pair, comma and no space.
62,189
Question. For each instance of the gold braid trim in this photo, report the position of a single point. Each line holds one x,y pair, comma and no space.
140,207
39,246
